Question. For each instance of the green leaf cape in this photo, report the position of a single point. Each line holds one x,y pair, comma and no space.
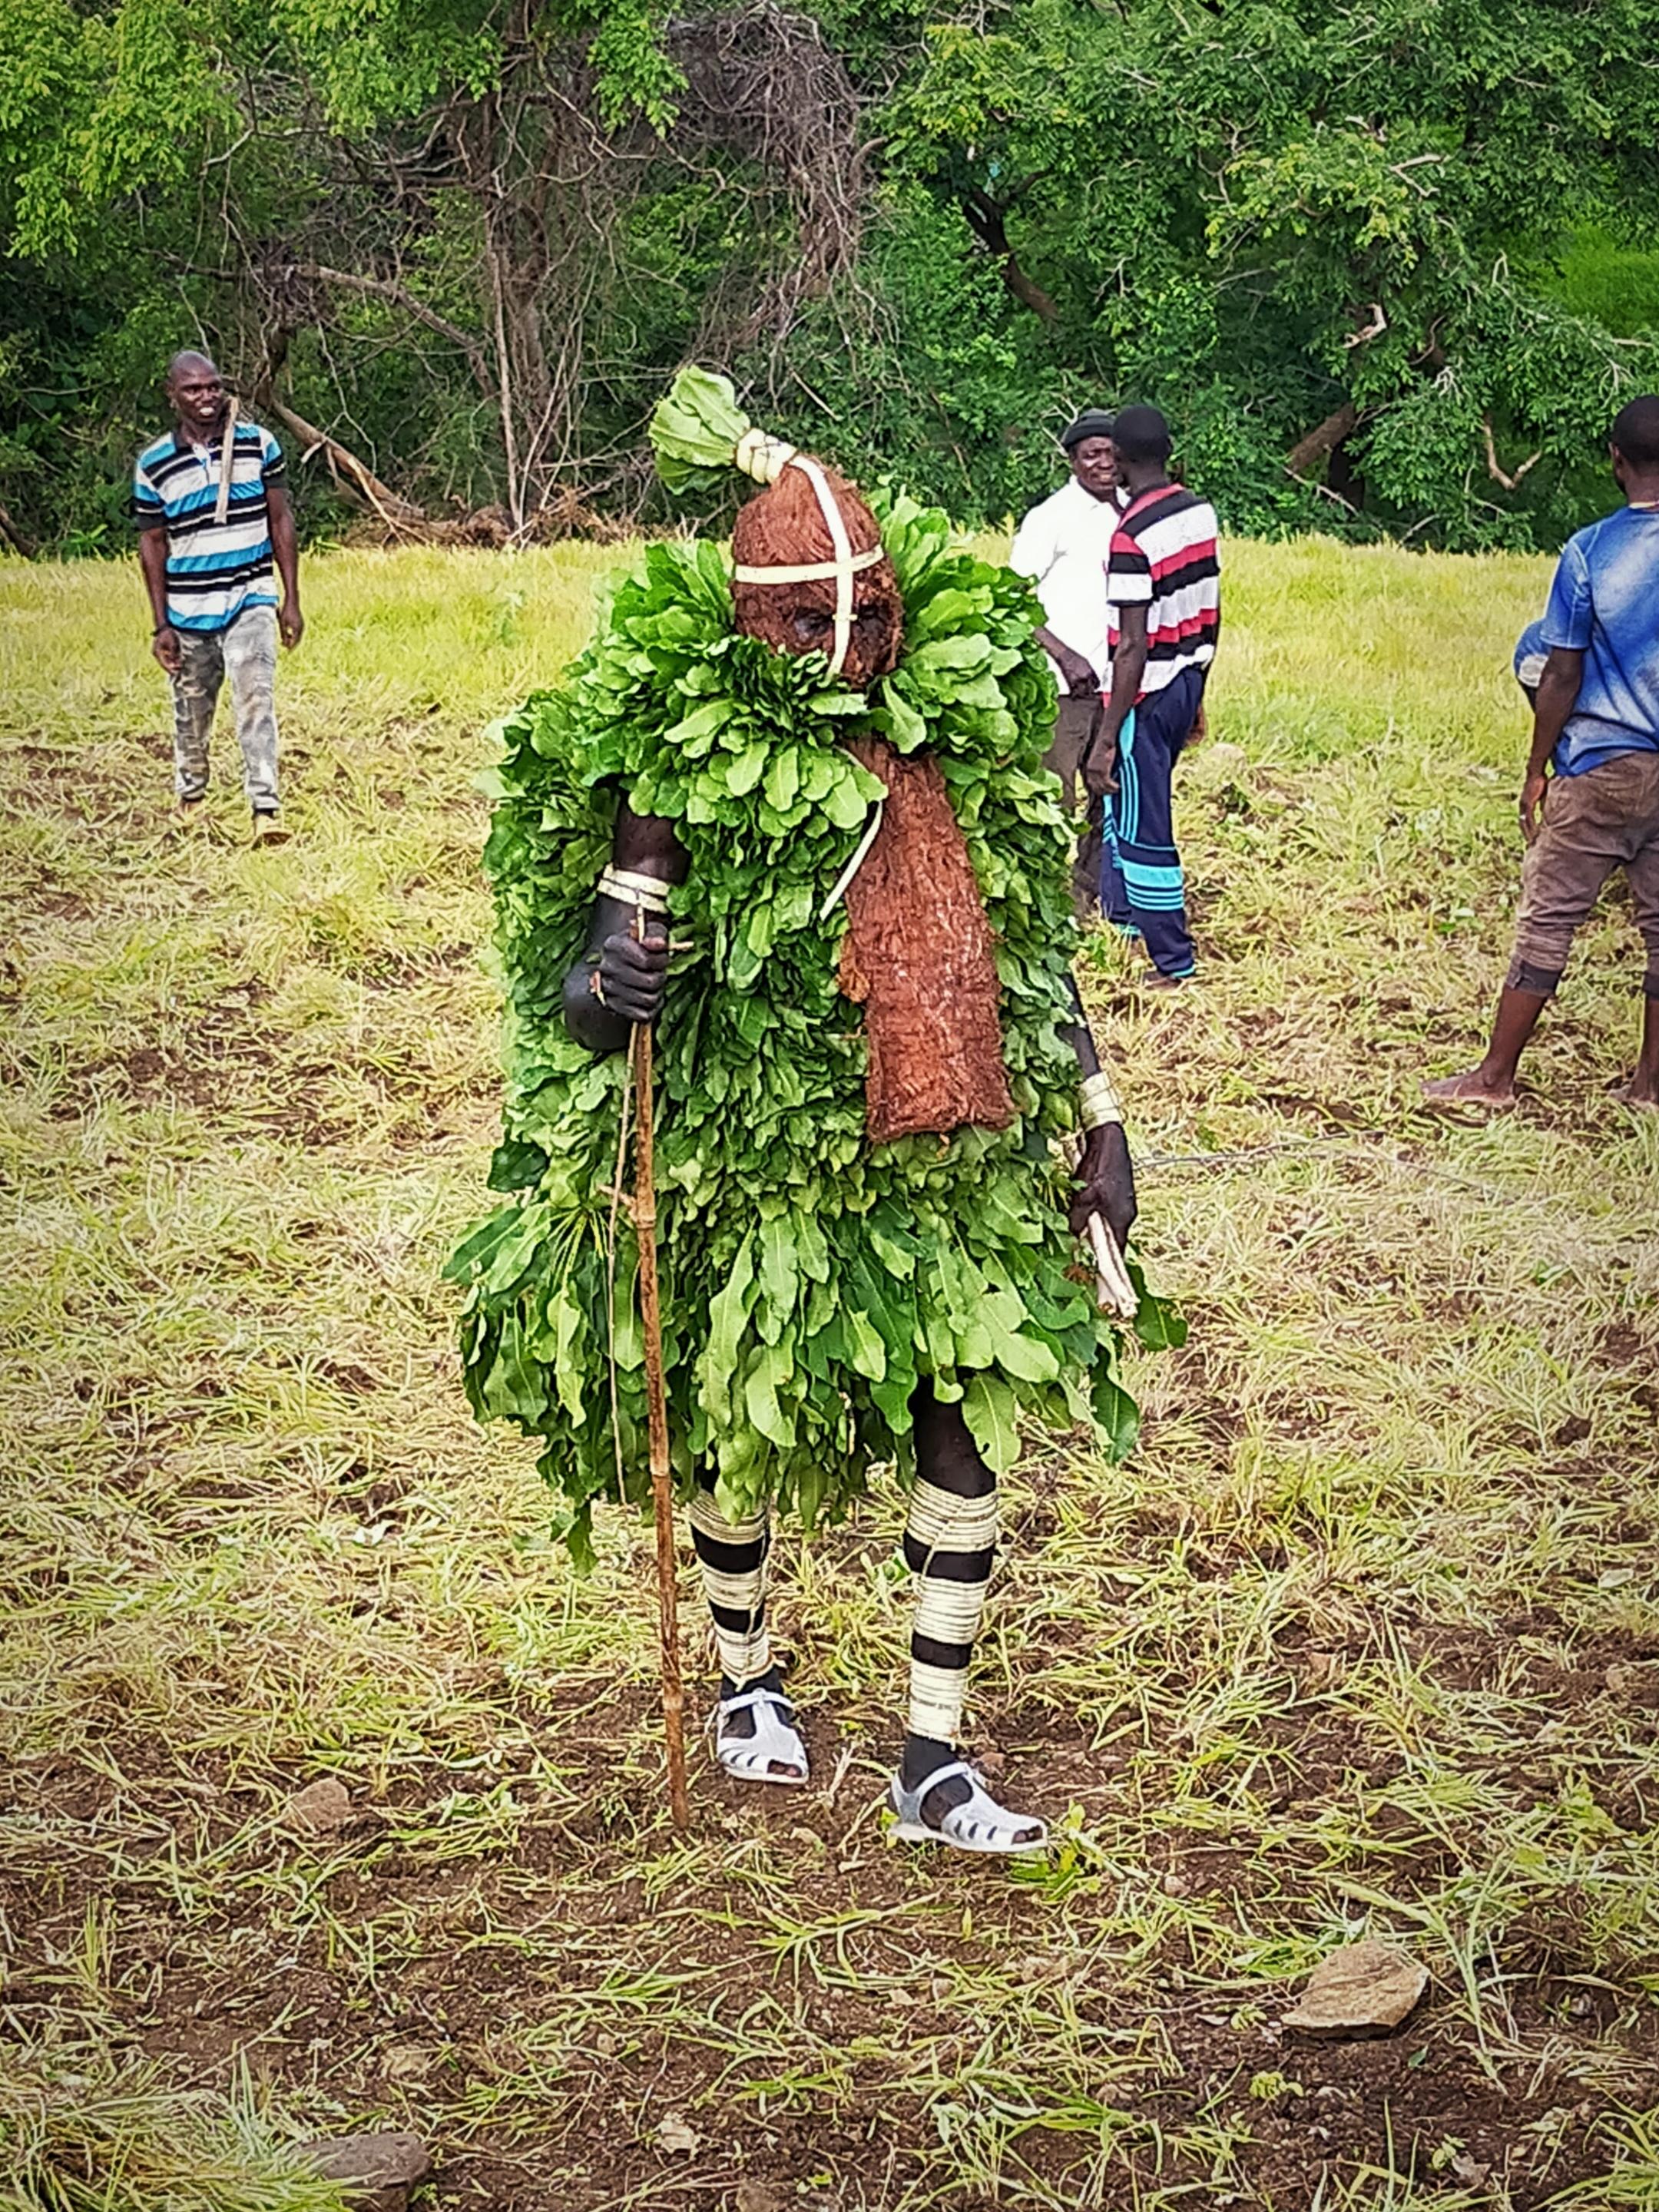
808,1279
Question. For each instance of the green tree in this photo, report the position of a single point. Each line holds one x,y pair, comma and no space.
1324,238
1387,270
443,174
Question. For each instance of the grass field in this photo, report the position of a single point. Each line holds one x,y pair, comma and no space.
1366,1638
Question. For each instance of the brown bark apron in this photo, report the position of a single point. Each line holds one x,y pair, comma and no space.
920,958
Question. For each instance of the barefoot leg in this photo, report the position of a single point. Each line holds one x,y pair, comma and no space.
1643,1089
1492,1083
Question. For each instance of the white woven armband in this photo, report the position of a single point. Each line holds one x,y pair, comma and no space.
1100,1105
644,893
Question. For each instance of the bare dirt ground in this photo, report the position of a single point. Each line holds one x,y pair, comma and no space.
1365,1639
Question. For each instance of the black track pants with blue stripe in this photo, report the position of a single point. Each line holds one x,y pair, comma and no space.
1140,880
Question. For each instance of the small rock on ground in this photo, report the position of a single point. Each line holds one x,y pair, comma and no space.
1363,1989
320,1808
378,2171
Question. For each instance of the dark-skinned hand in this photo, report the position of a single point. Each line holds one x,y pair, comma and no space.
1080,678
1532,806
1099,763
1105,1182
634,972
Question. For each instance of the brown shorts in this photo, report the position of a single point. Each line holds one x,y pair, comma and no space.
1607,818
1074,724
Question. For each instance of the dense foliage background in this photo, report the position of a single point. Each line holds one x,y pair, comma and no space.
1387,268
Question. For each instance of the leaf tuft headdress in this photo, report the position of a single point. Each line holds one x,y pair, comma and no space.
698,431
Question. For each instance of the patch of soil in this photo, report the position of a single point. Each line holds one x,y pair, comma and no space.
478,2013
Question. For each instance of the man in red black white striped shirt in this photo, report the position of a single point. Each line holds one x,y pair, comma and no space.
1163,589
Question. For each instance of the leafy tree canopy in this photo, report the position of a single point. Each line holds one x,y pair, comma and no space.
1387,270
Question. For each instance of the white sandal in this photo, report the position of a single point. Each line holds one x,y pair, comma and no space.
774,1742
980,1825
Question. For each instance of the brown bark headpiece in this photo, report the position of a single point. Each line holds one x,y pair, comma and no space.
810,575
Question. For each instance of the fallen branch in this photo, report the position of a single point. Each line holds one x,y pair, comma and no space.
359,478
1494,469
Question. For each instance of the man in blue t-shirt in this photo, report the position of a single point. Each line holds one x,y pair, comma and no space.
1595,726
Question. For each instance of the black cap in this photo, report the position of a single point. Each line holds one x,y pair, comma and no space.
1093,422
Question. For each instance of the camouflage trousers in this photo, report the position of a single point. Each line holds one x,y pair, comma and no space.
246,652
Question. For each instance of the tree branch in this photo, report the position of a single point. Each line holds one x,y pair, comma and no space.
362,481
1366,331
1499,474
985,219
1307,453
383,287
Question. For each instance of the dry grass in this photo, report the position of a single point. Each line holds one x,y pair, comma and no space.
1365,1636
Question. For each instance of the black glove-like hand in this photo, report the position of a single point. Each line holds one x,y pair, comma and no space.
634,973
1106,1182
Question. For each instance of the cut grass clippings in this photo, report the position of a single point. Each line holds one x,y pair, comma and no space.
1365,1640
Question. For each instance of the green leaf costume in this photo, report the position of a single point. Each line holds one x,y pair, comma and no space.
808,1278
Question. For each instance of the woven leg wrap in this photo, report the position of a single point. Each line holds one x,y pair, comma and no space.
950,1543
732,1556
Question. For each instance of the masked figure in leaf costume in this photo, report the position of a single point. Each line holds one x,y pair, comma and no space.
791,812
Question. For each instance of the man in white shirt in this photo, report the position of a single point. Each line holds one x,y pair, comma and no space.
1063,546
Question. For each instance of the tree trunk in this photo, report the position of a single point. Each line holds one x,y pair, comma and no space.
1307,454
515,165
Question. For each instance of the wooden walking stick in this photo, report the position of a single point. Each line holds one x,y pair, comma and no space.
662,1488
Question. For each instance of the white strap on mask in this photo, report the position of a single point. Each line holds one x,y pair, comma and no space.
764,458
861,854
840,570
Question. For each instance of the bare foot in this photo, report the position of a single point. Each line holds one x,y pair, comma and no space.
1641,1091
1473,1089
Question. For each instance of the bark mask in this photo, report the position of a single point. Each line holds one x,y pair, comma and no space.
810,575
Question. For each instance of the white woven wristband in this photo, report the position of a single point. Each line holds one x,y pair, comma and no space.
1100,1105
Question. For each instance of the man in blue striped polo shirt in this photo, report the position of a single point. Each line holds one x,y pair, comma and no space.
212,512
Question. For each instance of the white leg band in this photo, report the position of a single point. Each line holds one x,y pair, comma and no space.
949,1543
732,1556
